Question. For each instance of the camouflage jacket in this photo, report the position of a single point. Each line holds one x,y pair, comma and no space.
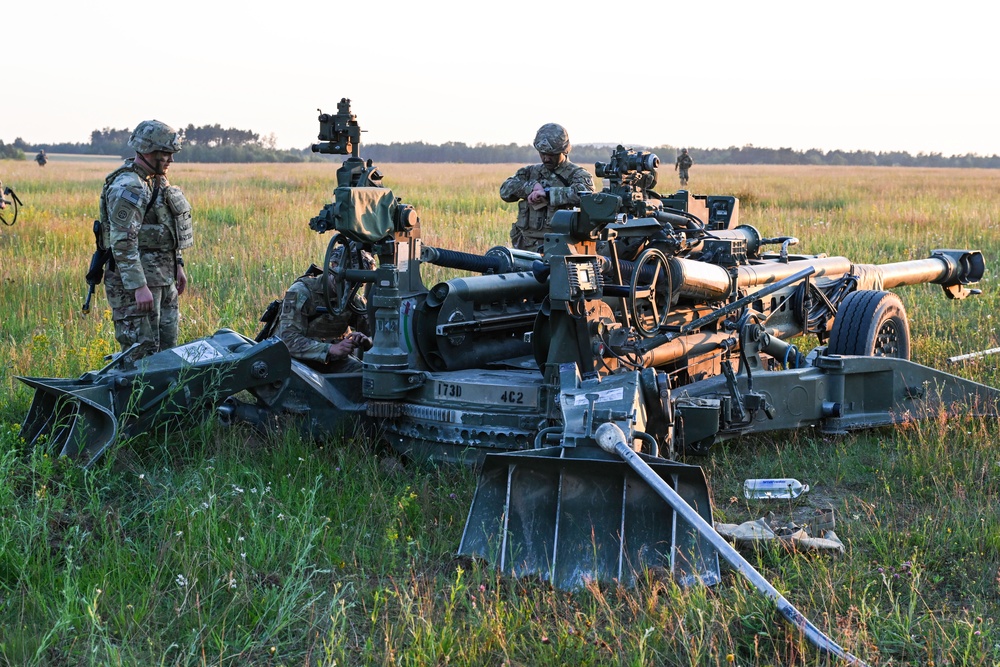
145,222
684,161
565,185
307,333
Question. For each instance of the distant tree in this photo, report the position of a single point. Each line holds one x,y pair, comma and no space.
214,136
11,152
110,141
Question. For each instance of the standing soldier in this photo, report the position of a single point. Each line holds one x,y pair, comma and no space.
146,223
542,189
41,158
683,163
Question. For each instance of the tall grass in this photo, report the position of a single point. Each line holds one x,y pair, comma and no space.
209,546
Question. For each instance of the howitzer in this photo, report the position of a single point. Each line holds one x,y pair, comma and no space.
98,261
659,314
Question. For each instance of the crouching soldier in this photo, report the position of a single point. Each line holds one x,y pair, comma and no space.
325,341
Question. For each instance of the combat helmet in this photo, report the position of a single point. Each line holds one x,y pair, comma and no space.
154,135
552,138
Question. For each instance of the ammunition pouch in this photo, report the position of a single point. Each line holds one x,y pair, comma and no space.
180,209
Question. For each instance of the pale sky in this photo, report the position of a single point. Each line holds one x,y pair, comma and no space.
874,75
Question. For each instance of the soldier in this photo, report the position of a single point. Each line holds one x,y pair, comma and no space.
682,165
542,189
146,223
41,158
314,335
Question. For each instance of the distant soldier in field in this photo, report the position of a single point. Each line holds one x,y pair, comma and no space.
542,189
146,223
324,340
42,159
682,165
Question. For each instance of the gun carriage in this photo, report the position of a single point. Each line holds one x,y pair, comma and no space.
661,316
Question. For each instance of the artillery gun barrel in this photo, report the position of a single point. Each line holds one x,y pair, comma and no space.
709,282
702,281
943,267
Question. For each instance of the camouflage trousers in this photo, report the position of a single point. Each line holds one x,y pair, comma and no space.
684,176
155,330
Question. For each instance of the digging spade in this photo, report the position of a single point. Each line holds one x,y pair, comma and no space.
612,440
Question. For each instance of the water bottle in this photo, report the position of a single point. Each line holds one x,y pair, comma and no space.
774,488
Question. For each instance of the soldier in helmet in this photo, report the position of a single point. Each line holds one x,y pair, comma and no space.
682,165
324,340
542,189
42,159
146,223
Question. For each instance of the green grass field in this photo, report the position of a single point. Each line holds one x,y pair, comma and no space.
208,546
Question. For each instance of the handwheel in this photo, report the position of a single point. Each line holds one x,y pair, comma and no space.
342,291
649,302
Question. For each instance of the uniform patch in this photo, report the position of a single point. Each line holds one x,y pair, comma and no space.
122,214
130,196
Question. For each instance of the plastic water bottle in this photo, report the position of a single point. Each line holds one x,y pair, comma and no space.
774,488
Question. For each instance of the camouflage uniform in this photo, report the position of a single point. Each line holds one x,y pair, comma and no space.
564,185
682,165
41,158
309,333
146,222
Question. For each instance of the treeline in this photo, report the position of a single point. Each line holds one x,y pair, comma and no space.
207,143
589,154
213,143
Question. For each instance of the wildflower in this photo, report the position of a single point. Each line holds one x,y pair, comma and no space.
232,584
178,533
181,580
243,555
730,657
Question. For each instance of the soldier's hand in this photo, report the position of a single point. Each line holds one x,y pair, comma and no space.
144,299
358,339
537,194
340,349
182,280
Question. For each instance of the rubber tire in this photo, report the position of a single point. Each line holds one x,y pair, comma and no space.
870,323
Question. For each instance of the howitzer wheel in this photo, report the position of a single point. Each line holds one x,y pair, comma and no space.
870,323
